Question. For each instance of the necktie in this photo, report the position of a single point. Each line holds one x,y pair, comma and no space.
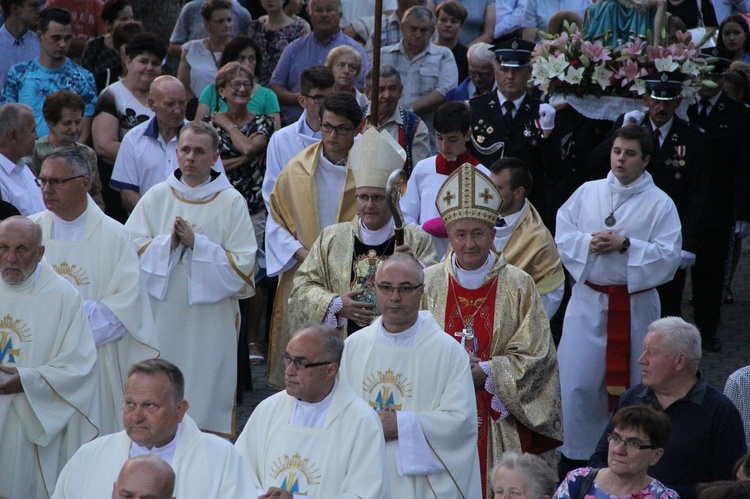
509,107
705,104
657,136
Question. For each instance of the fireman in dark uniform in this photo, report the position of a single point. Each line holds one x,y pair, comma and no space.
509,123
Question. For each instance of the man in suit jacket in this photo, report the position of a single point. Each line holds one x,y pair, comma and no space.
727,123
510,123
680,166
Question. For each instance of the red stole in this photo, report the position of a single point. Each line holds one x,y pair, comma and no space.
462,301
445,167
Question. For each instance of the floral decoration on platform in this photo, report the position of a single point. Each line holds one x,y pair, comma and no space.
570,64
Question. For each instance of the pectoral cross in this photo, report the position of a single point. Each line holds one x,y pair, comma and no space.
467,334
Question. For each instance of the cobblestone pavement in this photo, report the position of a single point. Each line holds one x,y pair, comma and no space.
716,367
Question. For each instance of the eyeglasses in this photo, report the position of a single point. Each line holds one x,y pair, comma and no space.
318,99
236,85
340,130
402,290
630,443
364,198
54,182
300,364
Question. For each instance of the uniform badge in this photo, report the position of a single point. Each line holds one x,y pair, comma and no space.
668,162
677,176
490,129
481,122
480,139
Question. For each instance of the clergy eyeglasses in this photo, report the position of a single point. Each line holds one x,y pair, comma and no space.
340,130
630,443
364,198
302,364
54,182
402,290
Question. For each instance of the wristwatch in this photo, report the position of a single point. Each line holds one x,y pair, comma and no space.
625,245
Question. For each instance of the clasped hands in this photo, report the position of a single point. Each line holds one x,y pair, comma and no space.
606,242
182,233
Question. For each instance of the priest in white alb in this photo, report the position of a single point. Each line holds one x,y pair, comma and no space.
47,366
418,380
95,254
494,310
156,424
336,282
197,252
316,439
619,238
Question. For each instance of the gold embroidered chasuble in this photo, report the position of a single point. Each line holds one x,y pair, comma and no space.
543,264
294,206
522,358
327,271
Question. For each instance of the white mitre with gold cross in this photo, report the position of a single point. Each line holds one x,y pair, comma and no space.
468,194
373,157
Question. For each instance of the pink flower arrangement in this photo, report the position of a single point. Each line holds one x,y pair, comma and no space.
570,64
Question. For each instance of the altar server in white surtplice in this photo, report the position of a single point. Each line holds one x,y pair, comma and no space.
619,238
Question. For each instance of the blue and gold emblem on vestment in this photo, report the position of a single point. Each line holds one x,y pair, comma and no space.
387,390
13,332
296,473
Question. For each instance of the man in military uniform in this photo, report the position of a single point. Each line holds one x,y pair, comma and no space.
511,123
679,165
726,122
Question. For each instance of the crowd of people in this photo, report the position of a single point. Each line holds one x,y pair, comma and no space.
460,285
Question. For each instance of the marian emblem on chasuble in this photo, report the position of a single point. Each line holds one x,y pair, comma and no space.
296,473
13,332
75,275
387,390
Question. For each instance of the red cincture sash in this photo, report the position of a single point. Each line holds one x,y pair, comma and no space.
617,376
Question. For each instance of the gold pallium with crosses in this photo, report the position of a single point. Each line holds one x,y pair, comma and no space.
478,198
